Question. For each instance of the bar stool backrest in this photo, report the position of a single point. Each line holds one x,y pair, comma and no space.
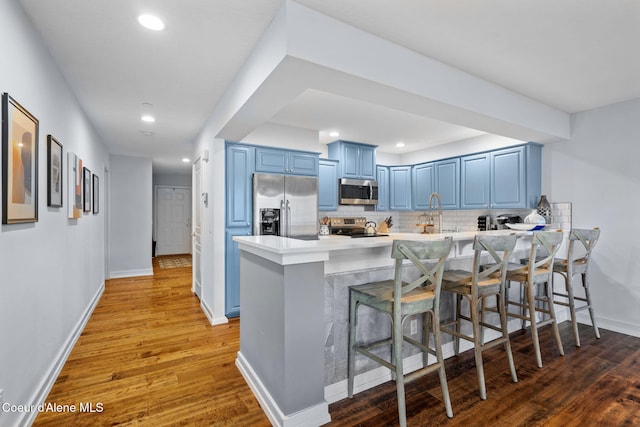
500,249
543,241
417,252
588,238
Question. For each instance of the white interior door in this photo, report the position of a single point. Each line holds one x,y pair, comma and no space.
174,220
197,220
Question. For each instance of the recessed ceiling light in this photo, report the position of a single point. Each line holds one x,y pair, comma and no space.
400,144
334,134
147,118
186,159
151,22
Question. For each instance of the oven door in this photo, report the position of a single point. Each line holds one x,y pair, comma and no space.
358,192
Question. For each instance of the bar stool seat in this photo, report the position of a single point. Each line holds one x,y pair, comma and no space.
475,286
577,263
398,300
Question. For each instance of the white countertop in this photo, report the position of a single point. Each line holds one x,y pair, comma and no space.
286,251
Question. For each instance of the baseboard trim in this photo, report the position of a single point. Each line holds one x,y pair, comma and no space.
626,328
130,273
213,320
49,379
312,416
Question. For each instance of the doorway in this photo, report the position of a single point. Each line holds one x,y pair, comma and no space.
173,229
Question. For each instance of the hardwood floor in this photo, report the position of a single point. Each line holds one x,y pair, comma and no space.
150,357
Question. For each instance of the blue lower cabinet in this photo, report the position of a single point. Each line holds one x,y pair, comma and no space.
232,271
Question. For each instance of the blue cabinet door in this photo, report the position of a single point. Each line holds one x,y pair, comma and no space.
400,188
239,170
367,157
508,178
475,181
271,160
422,184
303,163
232,271
447,182
328,185
382,176
350,161
357,161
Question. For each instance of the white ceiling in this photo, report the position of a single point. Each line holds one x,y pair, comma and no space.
572,55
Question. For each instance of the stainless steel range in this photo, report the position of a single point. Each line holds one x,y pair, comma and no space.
351,226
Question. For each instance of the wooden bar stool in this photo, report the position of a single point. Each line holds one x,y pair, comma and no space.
398,300
475,286
577,262
535,277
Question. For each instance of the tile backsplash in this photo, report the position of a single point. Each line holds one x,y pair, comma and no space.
457,220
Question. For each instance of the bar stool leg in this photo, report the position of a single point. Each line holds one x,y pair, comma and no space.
587,294
477,346
505,334
397,362
353,312
456,340
435,322
568,283
552,313
532,314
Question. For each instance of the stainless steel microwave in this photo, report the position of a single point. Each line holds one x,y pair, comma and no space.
358,191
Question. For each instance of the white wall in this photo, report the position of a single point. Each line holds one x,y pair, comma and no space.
130,227
597,170
51,271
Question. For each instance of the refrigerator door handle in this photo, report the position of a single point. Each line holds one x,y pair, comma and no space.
283,219
288,208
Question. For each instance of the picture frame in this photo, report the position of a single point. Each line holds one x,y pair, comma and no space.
54,173
96,194
86,189
19,163
74,186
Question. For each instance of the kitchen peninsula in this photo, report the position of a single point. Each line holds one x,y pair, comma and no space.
293,328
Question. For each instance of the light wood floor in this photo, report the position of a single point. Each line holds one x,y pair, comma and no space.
150,357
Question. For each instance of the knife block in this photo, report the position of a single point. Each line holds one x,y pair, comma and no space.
383,228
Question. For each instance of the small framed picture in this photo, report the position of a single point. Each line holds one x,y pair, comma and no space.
86,189
96,194
54,172
19,163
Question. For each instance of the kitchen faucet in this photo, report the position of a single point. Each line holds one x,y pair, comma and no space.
439,206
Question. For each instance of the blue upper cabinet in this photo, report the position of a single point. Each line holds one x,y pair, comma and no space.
507,179
447,182
328,185
382,176
400,188
474,185
239,170
357,161
422,184
503,179
274,160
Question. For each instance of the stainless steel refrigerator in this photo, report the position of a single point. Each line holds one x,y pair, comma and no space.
285,205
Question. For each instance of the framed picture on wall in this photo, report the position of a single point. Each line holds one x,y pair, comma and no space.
96,194
19,163
86,188
74,185
54,172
